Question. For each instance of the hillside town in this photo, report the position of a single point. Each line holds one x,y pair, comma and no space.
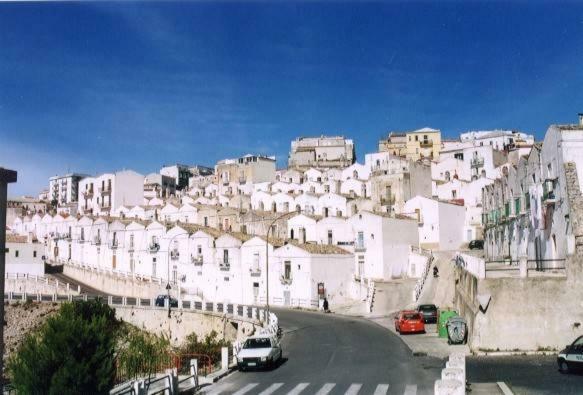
491,214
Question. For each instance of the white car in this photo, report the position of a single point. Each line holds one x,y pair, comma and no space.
260,351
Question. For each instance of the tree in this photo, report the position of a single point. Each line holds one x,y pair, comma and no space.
72,353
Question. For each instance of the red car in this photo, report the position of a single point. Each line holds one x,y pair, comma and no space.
409,321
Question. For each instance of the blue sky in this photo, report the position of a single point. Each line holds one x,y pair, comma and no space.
95,87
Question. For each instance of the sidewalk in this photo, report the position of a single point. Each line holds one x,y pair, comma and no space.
423,344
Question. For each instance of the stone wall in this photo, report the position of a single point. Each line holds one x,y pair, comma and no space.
184,322
533,313
114,284
33,286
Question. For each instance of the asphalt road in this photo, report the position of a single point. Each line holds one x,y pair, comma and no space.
329,354
532,375
85,289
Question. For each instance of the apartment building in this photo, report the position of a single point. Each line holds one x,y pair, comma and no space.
103,194
179,172
467,161
248,169
502,140
157,185
321,152
414,145
64,189
527,210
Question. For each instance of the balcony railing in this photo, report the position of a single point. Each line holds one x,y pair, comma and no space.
113,244
97,240
104,191
131,248
477,161
359,247
242,180
549,197
255,272
154,247
426,143
88,194
174,255
224,266
285,280
196,260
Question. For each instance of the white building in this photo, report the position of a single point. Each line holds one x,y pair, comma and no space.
64,189
24,257
321,152
180,173
441,224
498,139
103,194
159,186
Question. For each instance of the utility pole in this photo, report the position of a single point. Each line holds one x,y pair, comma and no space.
6,177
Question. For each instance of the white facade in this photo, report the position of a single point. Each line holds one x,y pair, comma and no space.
64,189
103,194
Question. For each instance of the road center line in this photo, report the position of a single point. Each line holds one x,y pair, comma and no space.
353,389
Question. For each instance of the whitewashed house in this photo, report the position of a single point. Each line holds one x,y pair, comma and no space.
441,224
303,227
382,244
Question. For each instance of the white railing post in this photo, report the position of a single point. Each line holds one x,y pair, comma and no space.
194,372
224,358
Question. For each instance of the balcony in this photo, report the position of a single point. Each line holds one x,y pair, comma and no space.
154,247
255,272
131,248
196,260
174,255
97,240
285,280
67,237
88,194
224,266
104,191
477,161
242,180
549,198
106,206
426,143
114,244
359,247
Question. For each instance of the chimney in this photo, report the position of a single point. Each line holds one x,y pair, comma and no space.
580,119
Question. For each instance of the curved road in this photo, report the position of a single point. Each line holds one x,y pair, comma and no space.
329,354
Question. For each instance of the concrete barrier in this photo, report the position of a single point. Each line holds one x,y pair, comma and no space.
453,377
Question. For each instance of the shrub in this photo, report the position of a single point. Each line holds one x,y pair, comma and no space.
72,353
142,354
210,346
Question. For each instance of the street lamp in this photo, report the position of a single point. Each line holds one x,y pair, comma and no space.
267,256
168,287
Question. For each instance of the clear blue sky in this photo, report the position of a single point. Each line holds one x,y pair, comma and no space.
97,87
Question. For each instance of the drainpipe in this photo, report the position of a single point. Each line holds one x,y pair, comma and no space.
6,177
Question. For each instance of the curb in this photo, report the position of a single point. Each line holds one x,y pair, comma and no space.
511,353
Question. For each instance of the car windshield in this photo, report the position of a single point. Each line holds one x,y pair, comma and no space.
257,343
427,307
412,316
578,342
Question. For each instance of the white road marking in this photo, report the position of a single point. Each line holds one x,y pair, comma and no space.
353,389
298,388
325,389
504,388
410,389
382,389
271,389
220,388
246,389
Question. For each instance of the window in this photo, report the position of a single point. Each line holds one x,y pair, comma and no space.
199,249
453,194
226,257
416,138
34,254
206,221
329,237
255,261
360,240
16,253
287,270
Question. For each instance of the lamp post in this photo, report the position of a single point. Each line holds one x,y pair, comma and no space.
267,257
6,177
168,287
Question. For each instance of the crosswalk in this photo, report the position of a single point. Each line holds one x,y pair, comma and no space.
306,389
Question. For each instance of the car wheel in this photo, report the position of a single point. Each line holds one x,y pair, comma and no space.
563,367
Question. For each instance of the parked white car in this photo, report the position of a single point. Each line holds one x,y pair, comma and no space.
260,351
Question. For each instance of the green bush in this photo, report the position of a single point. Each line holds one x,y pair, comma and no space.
210,346
72,353
142,354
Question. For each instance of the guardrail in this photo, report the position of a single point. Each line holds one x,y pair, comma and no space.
421,282
116,273
42,279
